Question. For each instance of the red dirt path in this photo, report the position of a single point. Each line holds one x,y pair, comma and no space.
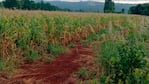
60,71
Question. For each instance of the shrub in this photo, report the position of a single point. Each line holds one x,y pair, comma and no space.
123,61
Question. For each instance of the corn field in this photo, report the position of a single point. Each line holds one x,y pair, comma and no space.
29,35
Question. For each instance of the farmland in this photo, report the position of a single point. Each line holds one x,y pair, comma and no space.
119,43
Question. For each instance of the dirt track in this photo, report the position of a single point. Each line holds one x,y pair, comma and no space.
60,71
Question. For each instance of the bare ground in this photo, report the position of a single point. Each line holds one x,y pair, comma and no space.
60,71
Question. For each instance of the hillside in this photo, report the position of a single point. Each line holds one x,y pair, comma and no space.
86,6
89,6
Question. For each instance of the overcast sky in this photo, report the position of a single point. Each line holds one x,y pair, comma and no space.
118,1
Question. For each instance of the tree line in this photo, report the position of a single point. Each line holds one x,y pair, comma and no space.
29,5
141,9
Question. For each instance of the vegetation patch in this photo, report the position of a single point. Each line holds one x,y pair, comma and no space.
56,49
32,55
123,61
85,74
1,64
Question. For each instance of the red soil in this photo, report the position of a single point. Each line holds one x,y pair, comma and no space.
60,71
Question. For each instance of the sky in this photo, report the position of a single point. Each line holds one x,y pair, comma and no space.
116,1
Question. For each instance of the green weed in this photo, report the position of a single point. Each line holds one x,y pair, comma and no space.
56,49
1,64
95,36
71,45
8,65
32,55
85,74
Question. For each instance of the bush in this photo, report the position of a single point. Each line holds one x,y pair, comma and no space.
123,61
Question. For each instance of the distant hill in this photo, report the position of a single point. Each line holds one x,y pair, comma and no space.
88,6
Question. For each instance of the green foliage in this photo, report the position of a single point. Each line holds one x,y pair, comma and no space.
56,49
10,3
122,60
95,36
109,6
123,10
8,65
85,74
32,55
142,9
71,45
1,64
29,5
82,72
26,4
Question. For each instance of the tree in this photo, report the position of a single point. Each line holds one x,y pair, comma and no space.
10,3
123,10
26,4
42,5
145,12
142,9
109,6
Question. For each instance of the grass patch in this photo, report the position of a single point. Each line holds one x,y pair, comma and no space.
8,64
95,36
56,49
32,55
71,45
1,64
85,74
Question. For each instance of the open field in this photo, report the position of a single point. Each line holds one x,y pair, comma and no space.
40,40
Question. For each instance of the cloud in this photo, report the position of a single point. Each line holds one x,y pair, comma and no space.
131,1
116,1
